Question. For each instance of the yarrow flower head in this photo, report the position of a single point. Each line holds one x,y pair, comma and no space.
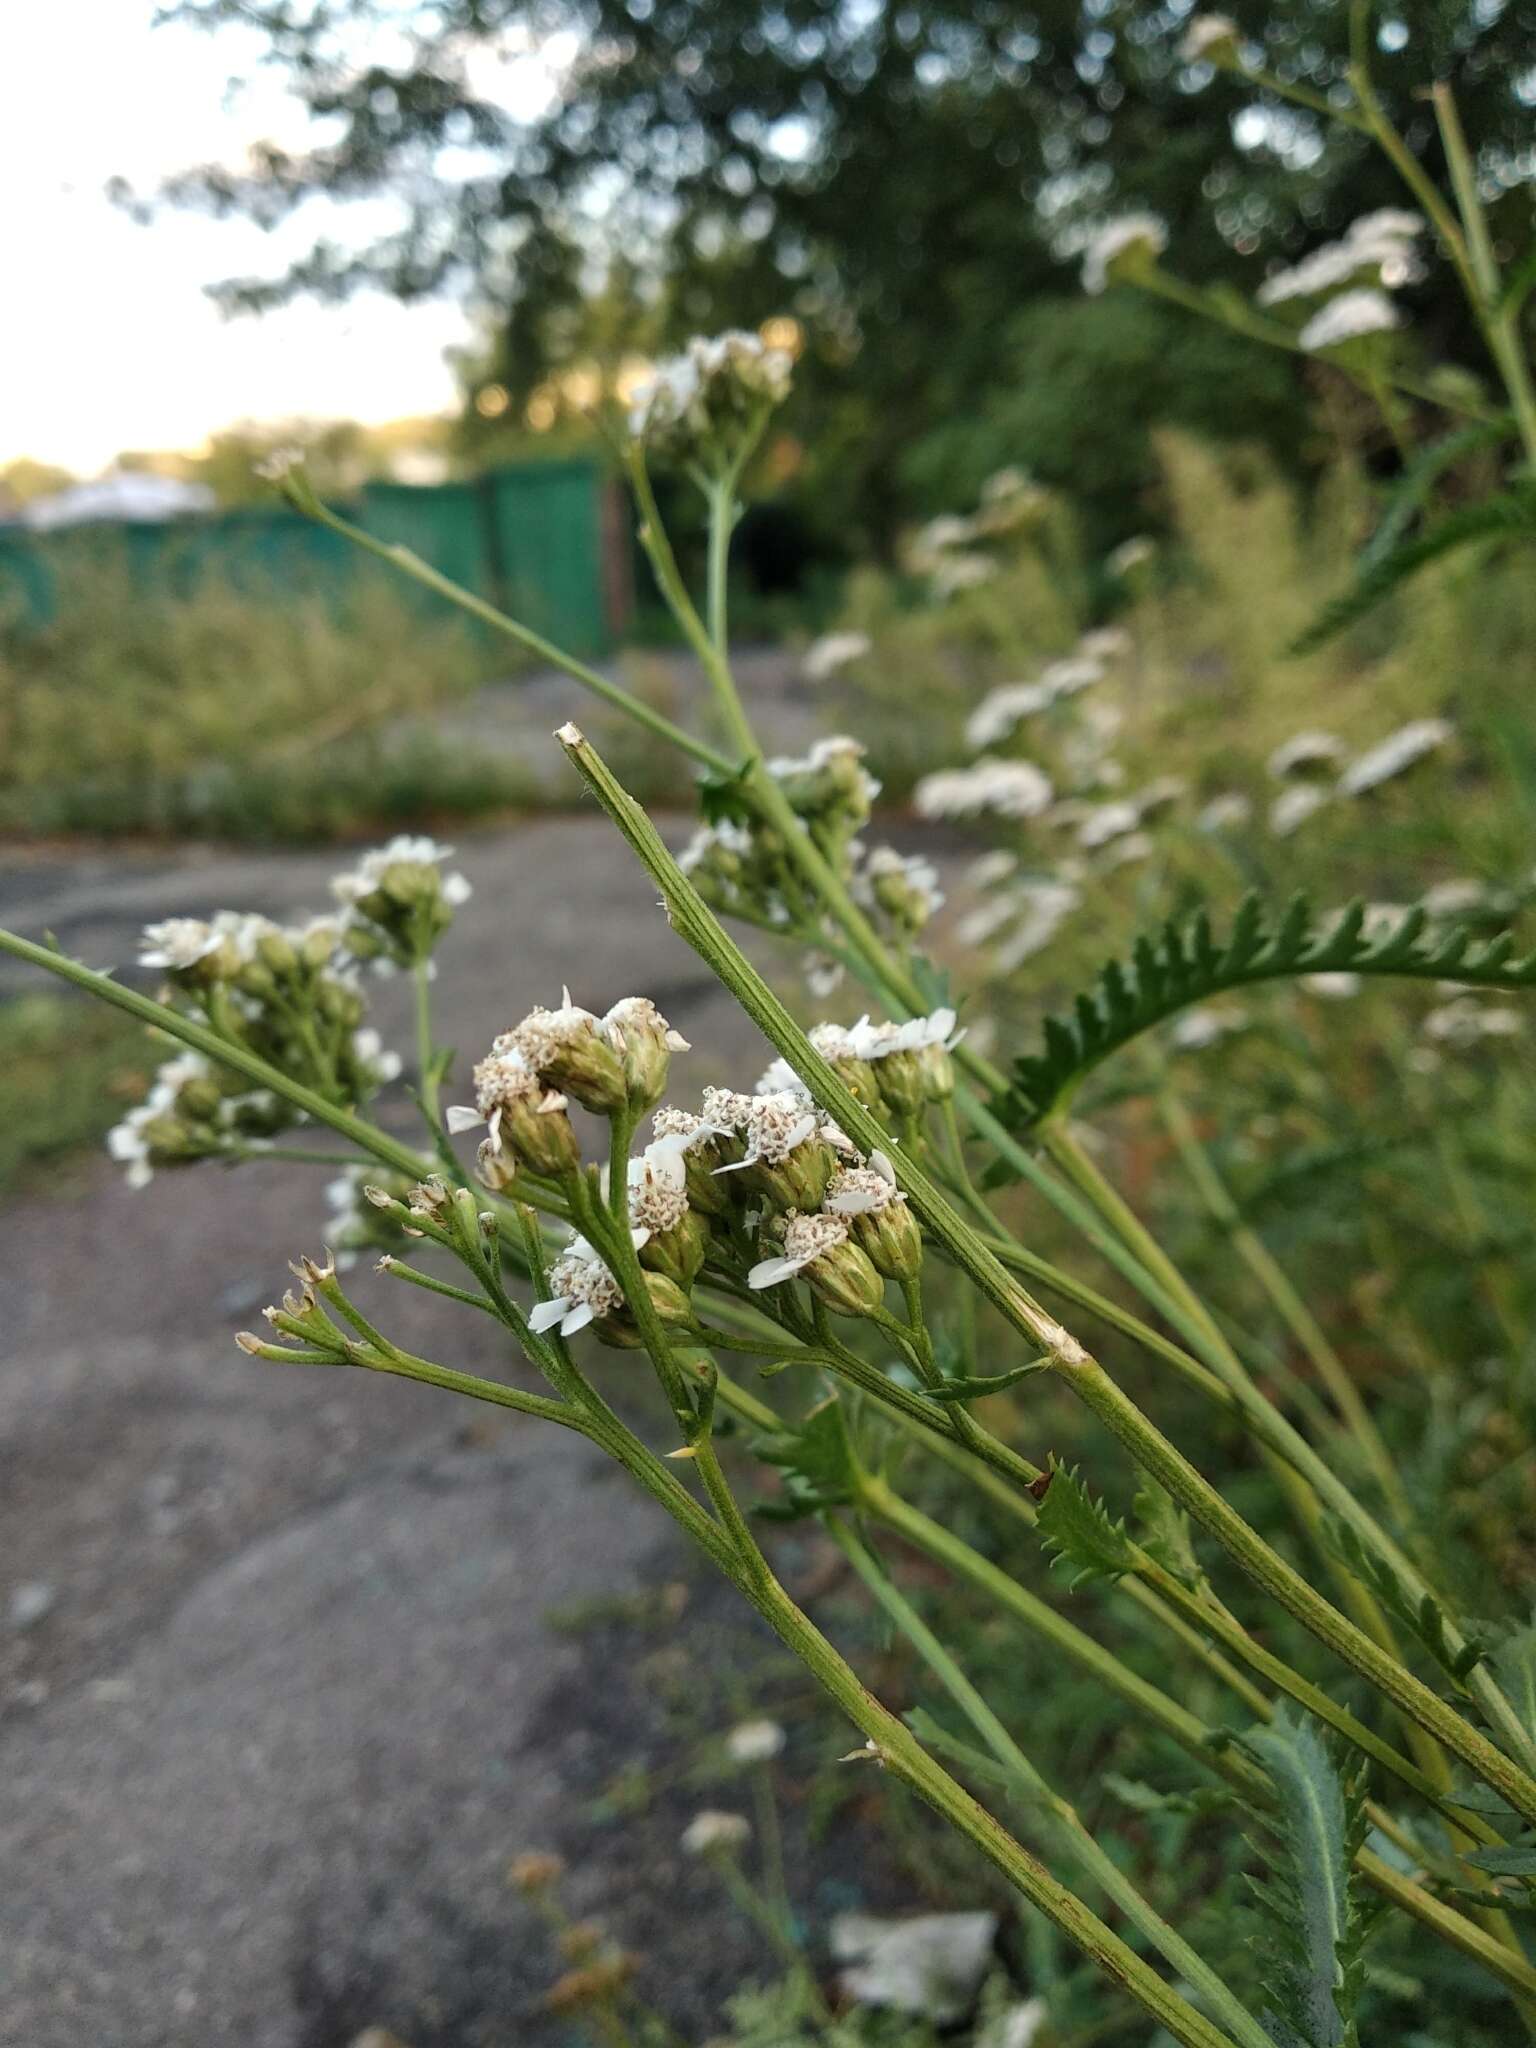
1376,253
401,899
824,657
904,886
709,403
527,1120
605,1063
830,783
1305,753
1294,806
1210,39
1123,250
817,1247
1350,317
581,1289
1010,789
1391,756
754,1742
716,1834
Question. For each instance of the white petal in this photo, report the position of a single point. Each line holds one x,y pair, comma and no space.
140,1174
461,1117
456,890
676,1042
801,1131
735,1165
640,1236
545,1314
850,1205
578,1319
769,1272
883,1167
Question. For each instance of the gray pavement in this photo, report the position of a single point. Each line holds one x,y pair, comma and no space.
279,1693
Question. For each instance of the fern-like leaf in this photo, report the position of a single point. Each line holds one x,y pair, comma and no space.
1078,1529
1313,1929
1421,1615
1509,515
1179,967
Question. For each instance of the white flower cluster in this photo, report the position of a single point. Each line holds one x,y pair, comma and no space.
833,651
950,550
709,402
1316,756
1377,253
1121,248
1002,709
1350,317
1008,789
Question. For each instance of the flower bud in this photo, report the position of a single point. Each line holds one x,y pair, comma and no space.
903,1082
668,1299
277,953
645,1043
680,1252
702,1152
879,1220
818,1249
569,1050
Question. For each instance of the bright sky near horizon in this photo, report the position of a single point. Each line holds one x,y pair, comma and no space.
106,339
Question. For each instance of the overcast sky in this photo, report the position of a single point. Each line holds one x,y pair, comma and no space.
106,339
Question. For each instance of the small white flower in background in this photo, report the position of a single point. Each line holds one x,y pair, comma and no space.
754,1742
1350,317
930,1965
1465,1021
370,1051
406,849
1400,750
1224,813
1303,752
1293,807
179,942
1208,1025
1015,2026
953,573
991,868
1006,483
1332,987
949,530
1376,252
1387,223
824,657
1131,555
1045,907
806,1238
1012,789
1454,899
1074,672
712,1833
1121,853
1208,37
1134,241
1105,643
711,394
823,975
1104,822
581,1289
903,884
273,467
1002,709
982,924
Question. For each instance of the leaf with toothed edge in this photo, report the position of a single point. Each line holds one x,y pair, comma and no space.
1078,1529
1180,966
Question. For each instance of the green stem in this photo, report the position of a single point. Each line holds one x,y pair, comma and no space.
426,1061
412,565
225,1052
1288,1304
694,922
1155,1454
1061,1823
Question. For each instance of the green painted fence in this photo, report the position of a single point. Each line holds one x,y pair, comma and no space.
536,539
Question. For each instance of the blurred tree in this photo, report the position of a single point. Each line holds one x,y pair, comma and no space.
25,479
898,174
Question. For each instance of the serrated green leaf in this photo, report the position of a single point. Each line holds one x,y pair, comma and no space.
816,1459
975,1387
1411,492
1165,1532
1188,967
1079,1532
1511,514
1512,1859
1312,1929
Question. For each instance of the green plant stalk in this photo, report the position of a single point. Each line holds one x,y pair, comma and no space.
1288,1304
1157,1455
412,565
762,1916
426,1061
227,1052
1199,1741
1281,1440
1060,1820
695,922
1500,325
